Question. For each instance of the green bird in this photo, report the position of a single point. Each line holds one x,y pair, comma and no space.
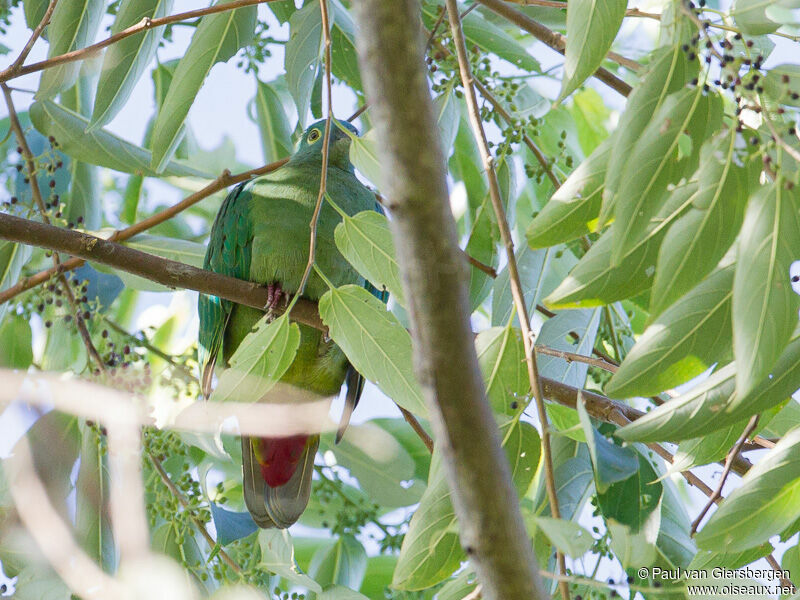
262,234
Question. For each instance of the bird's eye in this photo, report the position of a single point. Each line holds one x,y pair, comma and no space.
314,135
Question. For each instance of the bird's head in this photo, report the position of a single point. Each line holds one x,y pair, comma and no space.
310,145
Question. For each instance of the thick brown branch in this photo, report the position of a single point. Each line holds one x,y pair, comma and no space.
161,270
434,275
143,25
220,183
555,40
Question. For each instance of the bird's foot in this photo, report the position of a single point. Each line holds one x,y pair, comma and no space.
274,295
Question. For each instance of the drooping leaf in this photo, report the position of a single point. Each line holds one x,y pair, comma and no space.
12,258
557,333
366,242
706,449
612,464
277,556
276,135
342,563
751,16
98,147
766,502
73,26
697,241
569,537
15,342
530,267
684,341
259,362
125,62
764,304
653,163
502,360
218,37
592,26
364,156
344,58
230,525
302,55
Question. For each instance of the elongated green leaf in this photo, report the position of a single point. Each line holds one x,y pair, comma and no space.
374,341
259,362
366,242
612,463
98,147
684,341
379,462
573,210
447,116
530,265
301,60
782,84
699,239
64,350
342,563
501,356
277,556
707,449
15,342
569,537
557,333
276,135
126,60
338,592
669,71
764,304
596,280
34,12
431,550
592,26
344,58
218,37
766,502
364,156
655,162
73,26
751,16
631,501
12,258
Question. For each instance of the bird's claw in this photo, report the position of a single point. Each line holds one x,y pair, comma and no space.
274,295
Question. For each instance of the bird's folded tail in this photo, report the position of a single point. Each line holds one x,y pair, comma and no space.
277,475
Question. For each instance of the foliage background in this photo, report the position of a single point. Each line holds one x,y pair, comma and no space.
361,512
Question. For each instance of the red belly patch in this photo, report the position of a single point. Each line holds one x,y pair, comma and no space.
278,457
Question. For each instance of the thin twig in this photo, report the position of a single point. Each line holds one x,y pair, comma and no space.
417,427
555,40
17,64
467,81
143,25
220,183
573,357
197,522
734,452
323,177
39,201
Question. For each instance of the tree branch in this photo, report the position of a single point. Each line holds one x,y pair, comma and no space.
143,25
555,40
17,64
391,57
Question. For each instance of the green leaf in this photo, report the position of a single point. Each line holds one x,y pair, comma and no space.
379,462
653,162
569,537
596,281
92,518
366,242
530,266
33,584
301,60
431,550
364,156
612,463
342,563
259,362
689,337
374,341
15,342
34,12
64,350
697,241
407,438
764,304
344,58
12,258
338,592
556,334
501,357
277,556
751,16
782,84
379,573
766,502
708,559
218,37
98,147
706,449
669,71
458,588
592,26
447,118
125,61
73,26
276,136
573,210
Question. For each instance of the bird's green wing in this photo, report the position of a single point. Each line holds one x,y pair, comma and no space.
228,253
